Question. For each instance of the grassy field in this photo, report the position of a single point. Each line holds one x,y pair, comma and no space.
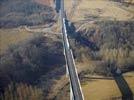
12,36
105,89
129,77
100,10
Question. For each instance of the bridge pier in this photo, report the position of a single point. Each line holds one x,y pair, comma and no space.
67,72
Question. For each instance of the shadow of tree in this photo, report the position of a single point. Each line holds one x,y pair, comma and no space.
123,87
57,5
78,38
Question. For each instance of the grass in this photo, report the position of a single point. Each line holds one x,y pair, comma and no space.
22,91
22,12
12,36
104,89
103,9
129,77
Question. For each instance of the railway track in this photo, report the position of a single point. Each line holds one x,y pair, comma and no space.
75,87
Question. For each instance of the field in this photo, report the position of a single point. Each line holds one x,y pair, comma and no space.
88,10
10,37
105,89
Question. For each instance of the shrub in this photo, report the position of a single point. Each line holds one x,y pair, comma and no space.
22,91
28,61
14,13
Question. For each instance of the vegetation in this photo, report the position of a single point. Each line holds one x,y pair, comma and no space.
125,1
13,36
22,12
22,92
111,33
29,61
106,43
92,87
28,70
